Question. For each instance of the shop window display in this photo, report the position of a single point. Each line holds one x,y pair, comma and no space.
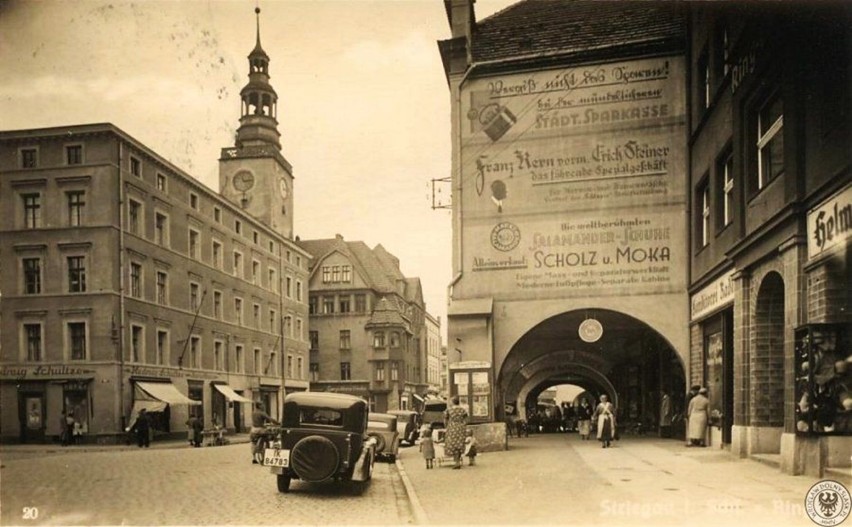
823,380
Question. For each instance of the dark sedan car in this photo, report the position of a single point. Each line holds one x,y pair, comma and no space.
408,424
383,428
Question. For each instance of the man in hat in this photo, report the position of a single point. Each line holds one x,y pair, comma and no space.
259,420
699,416
142,427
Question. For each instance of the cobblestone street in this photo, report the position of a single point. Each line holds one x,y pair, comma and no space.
182,486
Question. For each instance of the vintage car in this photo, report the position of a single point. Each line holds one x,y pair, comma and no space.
383,428
408,424
433,412
323,436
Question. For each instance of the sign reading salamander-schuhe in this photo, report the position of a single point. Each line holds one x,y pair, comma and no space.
575,179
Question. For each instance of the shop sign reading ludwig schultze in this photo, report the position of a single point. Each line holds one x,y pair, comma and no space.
830,223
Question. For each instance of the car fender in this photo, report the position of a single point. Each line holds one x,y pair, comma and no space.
364,465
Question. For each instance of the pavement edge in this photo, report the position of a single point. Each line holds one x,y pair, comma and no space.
420,516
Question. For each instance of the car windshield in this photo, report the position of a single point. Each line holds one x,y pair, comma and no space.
320,416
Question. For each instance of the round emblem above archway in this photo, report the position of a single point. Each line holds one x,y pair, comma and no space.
590,330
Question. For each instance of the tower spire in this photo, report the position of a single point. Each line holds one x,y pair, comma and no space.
259,115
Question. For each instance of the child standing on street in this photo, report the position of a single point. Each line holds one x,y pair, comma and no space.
470,447
427,448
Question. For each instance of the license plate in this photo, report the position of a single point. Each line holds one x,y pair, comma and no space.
276,457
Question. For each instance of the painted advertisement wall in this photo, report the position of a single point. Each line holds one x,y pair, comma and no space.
574,182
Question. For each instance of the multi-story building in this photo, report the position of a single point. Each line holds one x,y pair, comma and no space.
433,350
368,331
127,284
771,202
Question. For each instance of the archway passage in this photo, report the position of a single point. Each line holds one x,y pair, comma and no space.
630,362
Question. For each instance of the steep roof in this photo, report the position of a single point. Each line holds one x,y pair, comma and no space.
387,313
533,27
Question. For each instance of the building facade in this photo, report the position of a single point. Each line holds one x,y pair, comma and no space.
368,333
433,350
569,195
770,197
127,284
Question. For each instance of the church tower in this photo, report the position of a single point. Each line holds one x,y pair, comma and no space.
253,173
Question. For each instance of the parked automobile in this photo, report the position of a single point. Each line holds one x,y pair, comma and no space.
408,425
383,428
322,436
433,412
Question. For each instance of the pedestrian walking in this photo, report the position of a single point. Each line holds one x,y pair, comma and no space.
604,416
259,420
693,391
699,416
427,446
584,419
142,428
665,415
455,419
470,447
195,429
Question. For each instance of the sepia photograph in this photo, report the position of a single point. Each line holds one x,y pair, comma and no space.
426,262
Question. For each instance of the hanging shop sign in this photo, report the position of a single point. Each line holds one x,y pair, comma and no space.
830,224
45,372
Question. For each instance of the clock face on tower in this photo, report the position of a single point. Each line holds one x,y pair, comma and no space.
243,180
283,188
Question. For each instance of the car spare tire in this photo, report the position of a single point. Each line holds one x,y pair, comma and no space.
314,458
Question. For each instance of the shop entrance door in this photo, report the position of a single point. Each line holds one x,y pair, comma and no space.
238,417
31,412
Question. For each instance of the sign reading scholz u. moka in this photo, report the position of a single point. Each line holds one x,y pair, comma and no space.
830,223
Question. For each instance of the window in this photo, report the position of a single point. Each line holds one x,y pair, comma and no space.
217,355
29,158
326,274
32,275
273,316
193,200
255,310
704,211
314,339
328,305
345,371
379,339
271,246
270,279
380,371
288,326
238,226
74,155
32,210
257,360
195,351
238,263
335,273
135,280
217,214
299,334
770,141
360,303
345,339
32,336
394,371
725,172
238,310
161,229
239,360
134,210
194,243
161,183
255,272
314,366
135,167
255,237
394,339
289,256
290,366
135,343
272,365
721,52
300,371
162,346
289,287
217,305
162,287
346,273
312,305
345,304
77,340
298,261
76,274
298,290
217,254
194,289
76,200
703,80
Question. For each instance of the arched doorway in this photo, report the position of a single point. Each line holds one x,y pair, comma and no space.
630,362
766,364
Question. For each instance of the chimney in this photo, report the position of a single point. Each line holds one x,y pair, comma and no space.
462,18
339,236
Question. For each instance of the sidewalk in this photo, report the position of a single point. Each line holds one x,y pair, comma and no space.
557,479
55,448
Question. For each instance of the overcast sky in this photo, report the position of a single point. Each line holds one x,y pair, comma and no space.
363,103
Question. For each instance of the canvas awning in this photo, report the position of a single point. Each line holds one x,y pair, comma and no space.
148,406
166,392
230,394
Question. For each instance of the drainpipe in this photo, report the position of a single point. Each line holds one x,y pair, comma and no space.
121,292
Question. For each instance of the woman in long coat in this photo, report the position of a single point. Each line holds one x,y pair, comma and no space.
455,419
584,419
698,412
605,418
